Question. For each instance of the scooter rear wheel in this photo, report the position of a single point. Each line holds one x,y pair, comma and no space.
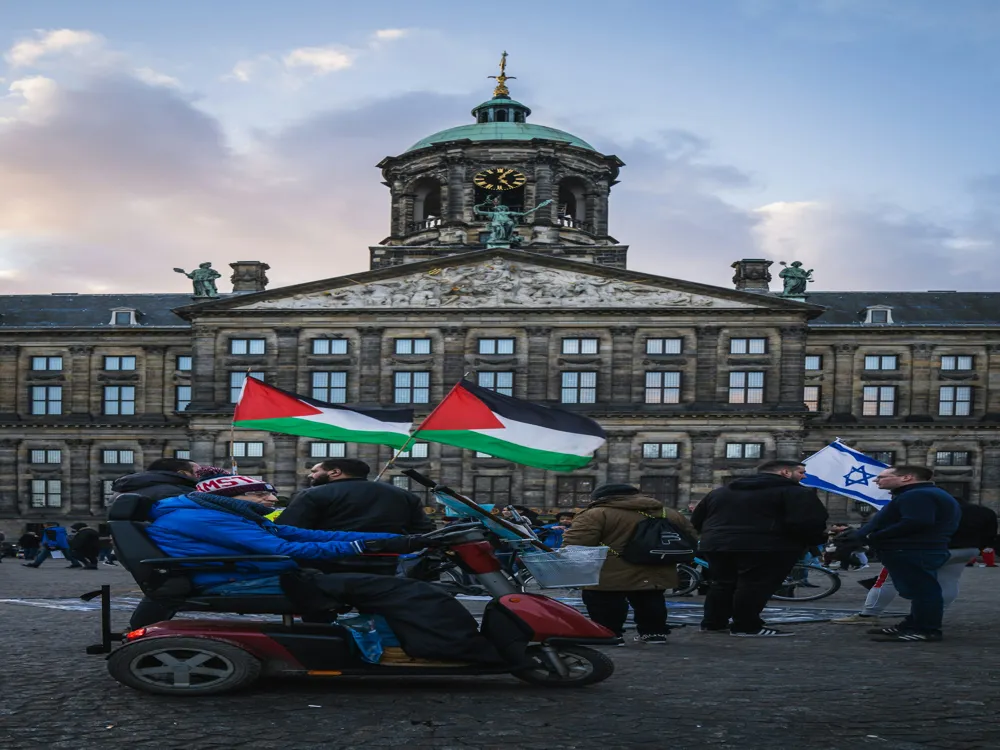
586,666
183,666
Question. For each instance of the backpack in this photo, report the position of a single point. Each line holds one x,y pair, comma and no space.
656,541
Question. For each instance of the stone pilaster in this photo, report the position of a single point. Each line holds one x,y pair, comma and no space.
288,358
9,499
843,380
623,377
203,447
993,381
703,462
370,363
83,399
598,208
285,464
544,190
81,469
619,452
538,368
206,390
157,394
791,369
922,402
10,385
150,450
990,492
707,372
788,445
453,203
453,362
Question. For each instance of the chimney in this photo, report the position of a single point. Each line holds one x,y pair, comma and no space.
752,275
248,276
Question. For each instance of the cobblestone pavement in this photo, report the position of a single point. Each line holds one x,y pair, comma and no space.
828,688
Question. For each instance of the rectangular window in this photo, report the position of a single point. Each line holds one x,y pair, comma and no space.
480,454
409,485
182,453
814,362
182,397
663,489
46,399
957,362
236,381
954,401
123,318
327,450
664,346
108,491
663,387
413,346
810,396
879,401
119,363
661,450
243,449
574,492
185,362
416,450
247,346
45,364
412,388
330,387
748,346
329,346
878,316
496,346
580,346
886,457
501,382
119,400
881,362
579,387
117,457
953,458
746,387
488,490
46,493
958,490
46,456
744,450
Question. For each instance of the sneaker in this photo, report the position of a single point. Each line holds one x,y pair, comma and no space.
857,619
909,638
713,630
763,633
884,631
651,639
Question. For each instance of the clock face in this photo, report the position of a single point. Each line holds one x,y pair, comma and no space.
500,178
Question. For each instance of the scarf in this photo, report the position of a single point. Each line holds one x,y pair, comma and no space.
243,508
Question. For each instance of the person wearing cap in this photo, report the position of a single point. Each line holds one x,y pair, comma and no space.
226,515
611,519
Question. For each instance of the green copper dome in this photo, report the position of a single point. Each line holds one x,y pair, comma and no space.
501,131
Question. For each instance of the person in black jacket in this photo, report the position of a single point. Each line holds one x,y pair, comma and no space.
165,477
85,545
343,499
752,532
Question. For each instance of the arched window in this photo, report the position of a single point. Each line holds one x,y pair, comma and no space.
426,203
500,115
518,116
572,202
484,116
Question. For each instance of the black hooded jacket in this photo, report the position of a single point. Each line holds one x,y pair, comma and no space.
156,485
764,513
357,504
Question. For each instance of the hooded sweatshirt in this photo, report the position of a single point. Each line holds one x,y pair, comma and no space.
155,485
762,513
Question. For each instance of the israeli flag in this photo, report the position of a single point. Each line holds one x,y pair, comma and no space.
837,468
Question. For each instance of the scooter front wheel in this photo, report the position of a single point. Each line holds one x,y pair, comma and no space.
584,666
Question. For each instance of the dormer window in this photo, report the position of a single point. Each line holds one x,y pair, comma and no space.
878,315
123,316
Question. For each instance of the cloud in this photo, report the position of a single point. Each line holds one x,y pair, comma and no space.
155,78
321,60
386,35
30,52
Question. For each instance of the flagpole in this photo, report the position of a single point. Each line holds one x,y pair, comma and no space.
413,435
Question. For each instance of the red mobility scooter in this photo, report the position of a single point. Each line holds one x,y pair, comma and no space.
545,641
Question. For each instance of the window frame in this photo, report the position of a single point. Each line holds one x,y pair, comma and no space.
493,496
46,492
669,499
178,362
179,399
815,403
959,407
245,450
879,400
956,361
580,492
121,410
47,359
881,362
747,389
579,388
248,344
327,393
819,362
117,362
418,451
48,401
117,454
952,456
744,448
401,343
580,345
236,390
663,346
494,375
660,452
46,456
748,344
667,394
315,453
496,342
330,346
411,388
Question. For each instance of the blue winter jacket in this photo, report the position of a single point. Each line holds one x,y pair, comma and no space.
55,537
553,535
182,528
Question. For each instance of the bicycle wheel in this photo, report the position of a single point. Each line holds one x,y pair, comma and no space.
807,583
688,579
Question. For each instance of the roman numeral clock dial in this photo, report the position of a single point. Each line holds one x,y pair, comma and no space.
500,179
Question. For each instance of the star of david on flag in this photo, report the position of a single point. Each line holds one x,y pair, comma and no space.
840,469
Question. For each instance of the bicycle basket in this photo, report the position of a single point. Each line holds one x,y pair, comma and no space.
566,568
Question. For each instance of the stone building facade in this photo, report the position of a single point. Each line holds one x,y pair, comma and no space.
694,384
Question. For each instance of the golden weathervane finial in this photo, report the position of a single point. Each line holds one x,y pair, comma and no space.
501,87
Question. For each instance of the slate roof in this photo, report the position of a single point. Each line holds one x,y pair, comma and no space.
89,310
930,309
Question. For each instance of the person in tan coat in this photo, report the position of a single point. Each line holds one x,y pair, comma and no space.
611,520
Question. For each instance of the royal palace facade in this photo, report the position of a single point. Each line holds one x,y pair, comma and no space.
526,293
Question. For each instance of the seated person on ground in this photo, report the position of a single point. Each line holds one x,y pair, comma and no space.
226,515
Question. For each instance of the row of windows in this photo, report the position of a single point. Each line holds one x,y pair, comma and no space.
111,363
890,362
118,400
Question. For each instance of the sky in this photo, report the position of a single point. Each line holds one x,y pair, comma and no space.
858,136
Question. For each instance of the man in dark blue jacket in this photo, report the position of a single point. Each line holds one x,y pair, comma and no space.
911,535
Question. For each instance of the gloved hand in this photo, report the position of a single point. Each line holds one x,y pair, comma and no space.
397,545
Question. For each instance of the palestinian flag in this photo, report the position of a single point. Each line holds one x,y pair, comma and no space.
520,431
264,407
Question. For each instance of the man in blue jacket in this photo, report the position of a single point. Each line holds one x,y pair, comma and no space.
226,516
54,538
911,535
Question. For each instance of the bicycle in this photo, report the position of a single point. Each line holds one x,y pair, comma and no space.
797,586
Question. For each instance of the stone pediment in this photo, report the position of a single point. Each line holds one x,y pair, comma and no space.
498,282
